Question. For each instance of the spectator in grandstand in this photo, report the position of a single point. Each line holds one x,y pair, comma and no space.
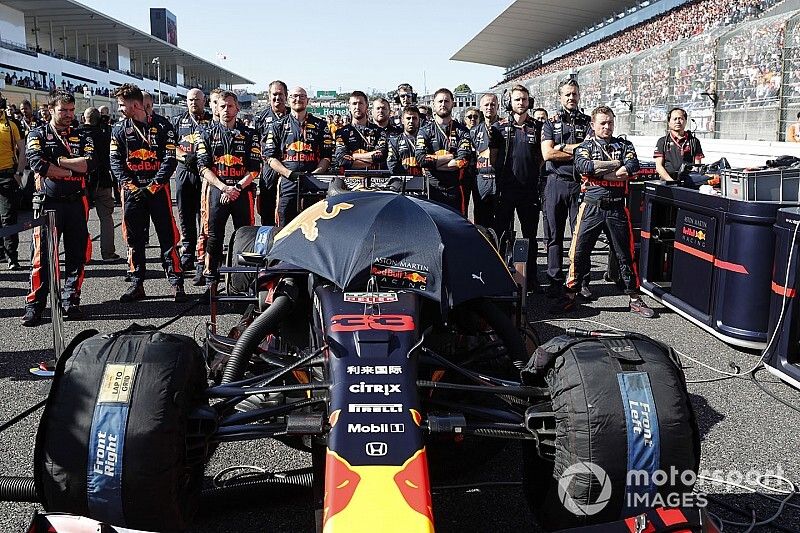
793,131
684,21
677,148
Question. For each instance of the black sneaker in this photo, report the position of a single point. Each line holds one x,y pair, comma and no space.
640,308
134,293
179,295
565,304
73,312
32,317
14,265
113,258
199,280
585,293
128,277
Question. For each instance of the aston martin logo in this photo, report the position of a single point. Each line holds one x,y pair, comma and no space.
307,220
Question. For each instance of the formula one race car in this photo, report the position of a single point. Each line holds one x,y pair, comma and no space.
386,335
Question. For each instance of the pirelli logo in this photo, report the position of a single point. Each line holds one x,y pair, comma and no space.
375,408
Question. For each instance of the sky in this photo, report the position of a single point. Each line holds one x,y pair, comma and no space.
330,45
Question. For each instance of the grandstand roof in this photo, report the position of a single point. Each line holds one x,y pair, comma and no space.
527,26
73,17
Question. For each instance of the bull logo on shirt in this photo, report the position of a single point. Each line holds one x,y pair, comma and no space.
143,160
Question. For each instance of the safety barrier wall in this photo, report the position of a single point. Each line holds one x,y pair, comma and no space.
752,71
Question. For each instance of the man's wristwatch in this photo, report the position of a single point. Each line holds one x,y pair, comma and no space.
238,186
560,147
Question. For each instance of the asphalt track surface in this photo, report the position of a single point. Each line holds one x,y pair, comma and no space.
743,429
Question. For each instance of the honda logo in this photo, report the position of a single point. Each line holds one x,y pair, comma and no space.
377,449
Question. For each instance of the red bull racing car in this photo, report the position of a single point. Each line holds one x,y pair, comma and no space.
386,335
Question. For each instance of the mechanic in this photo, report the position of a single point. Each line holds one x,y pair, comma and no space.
188,128
268,183
424,115
213,98
540,114
444,150
299,144
382,118
229,159
360,145
484,187
12,164
517,165
101,184
606,164
677,148
142,161
61,158
404,97
560,136
401,158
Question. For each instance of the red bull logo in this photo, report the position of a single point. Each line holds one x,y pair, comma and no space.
300,151
307,220
410,164
415,277
230,166
357,498
228,160
143,160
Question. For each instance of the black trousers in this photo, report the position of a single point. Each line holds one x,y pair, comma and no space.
267,201
455,197
560,204
188,187
71,218
525,202
592,221
136,215
241,211
9,205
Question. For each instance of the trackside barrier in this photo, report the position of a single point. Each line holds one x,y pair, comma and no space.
50,249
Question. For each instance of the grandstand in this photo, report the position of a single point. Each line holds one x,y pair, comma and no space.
46,44
734,64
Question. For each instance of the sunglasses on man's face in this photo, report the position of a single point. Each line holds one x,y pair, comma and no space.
472,117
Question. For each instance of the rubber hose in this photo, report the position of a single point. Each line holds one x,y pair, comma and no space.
247,343
18,489
505,329
253,489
